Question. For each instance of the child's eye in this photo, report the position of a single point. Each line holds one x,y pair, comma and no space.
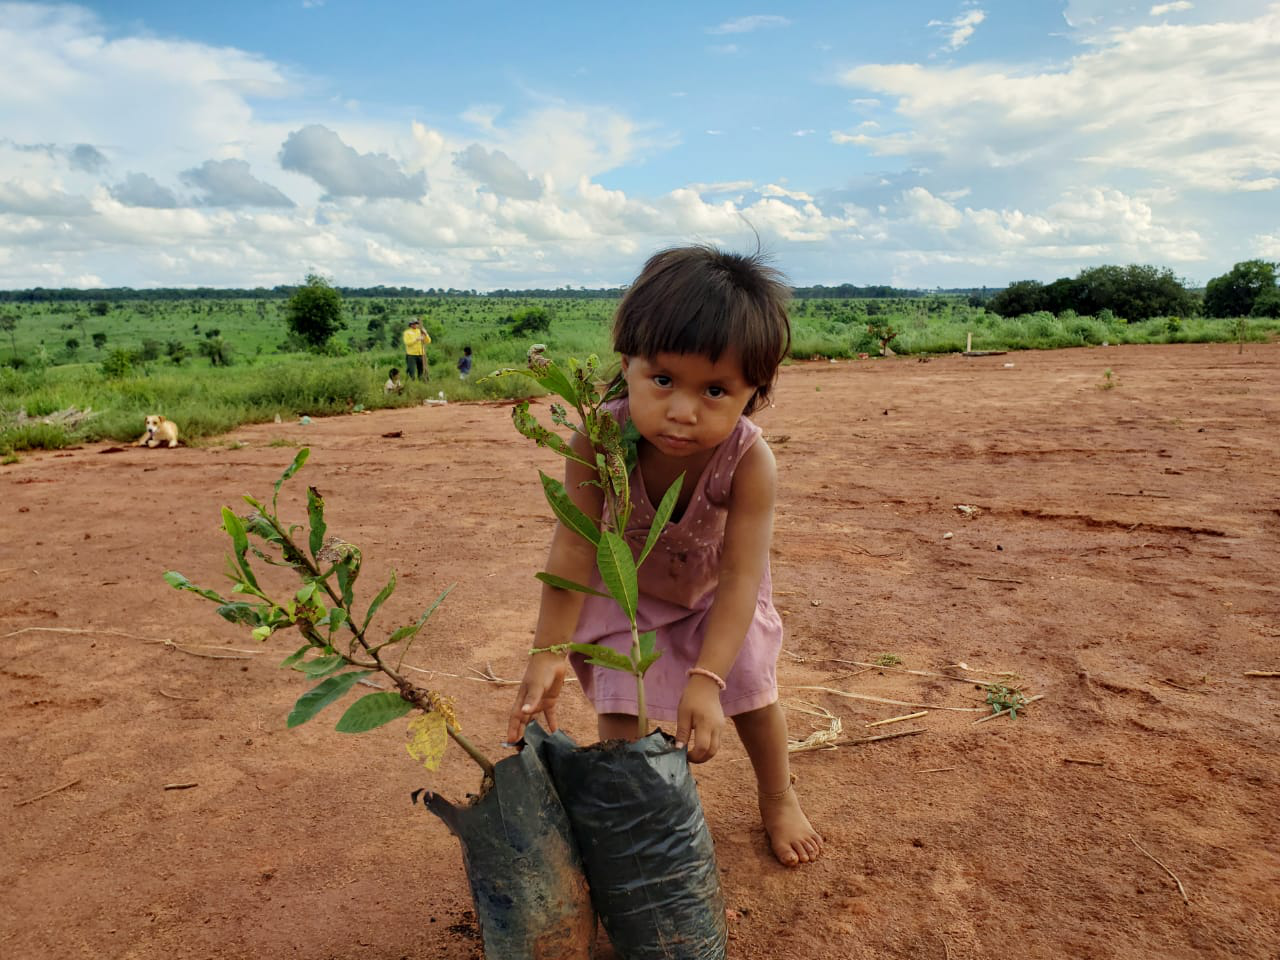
716,392
662,380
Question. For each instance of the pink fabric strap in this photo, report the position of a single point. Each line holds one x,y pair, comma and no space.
704,672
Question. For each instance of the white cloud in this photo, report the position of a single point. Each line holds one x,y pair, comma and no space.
498,172
228,183
1160,9
319,153
1189,103
140,190
1268,245
750,24
803,133
960,29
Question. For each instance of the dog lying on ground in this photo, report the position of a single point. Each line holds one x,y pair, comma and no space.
159,431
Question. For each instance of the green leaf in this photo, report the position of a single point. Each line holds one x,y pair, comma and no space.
618,571
661,516
553,378
385,592
179,582
240,543
563,584
567,510
321,695
337,617
648,655
630,443
528,425
603,656
290,470
261,633
413,628
373,711
320,666
315,512
348,569
297,655
402,632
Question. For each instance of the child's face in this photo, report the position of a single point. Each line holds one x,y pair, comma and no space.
684,404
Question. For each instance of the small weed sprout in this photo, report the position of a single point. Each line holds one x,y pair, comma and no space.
340,650
1001,697
615,456
1108,380
887,660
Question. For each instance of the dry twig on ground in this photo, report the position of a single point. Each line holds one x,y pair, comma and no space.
1181,889
47,793
895,703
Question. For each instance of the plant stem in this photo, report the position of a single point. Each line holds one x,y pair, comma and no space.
409,691
642,718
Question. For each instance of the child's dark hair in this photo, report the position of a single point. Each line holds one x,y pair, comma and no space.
702,300
395,372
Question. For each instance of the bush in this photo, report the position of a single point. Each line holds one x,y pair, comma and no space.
119,364
533,320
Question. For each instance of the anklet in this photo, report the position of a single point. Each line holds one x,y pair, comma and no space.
704,672
781,793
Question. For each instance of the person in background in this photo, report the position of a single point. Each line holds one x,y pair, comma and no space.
393,384
464,364
415,350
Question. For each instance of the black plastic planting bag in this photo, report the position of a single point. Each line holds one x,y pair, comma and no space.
526,877
645,846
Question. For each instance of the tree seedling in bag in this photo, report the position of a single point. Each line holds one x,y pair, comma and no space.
615,458
644,842
525,873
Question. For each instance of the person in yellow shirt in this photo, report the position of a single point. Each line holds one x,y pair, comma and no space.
415,350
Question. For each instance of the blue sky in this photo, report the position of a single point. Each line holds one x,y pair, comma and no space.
960,143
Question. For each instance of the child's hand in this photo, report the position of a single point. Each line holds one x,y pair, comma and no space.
539,693
700,719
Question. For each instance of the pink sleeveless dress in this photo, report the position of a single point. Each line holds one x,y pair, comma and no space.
677,586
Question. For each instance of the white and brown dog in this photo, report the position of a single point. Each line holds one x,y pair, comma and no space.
159,431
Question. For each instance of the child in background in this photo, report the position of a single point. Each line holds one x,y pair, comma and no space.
393,384
464,364
701,333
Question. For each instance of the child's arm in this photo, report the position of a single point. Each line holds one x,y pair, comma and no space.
748,532
572,558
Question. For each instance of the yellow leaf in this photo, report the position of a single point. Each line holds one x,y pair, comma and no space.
427,739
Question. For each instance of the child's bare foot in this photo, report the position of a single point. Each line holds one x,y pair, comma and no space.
792,837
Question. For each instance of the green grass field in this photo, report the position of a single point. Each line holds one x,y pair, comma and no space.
152,357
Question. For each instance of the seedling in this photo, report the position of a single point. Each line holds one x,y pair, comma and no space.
1108,381
615,456
340,650
887,660
1001,697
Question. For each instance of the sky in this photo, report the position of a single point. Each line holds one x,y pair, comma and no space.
936,143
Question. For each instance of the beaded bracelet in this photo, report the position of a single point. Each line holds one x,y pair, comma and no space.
704,672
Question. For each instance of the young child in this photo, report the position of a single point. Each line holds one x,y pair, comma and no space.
393,384
464,364
701,333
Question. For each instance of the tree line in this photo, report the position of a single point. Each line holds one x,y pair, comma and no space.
1140,291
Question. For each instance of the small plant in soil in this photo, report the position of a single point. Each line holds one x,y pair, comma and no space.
883,333
1001,697
887,660
615,457
340,648
1108,381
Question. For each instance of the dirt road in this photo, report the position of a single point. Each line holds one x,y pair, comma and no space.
1121,561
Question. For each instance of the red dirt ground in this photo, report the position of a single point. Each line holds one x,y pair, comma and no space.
1123,564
